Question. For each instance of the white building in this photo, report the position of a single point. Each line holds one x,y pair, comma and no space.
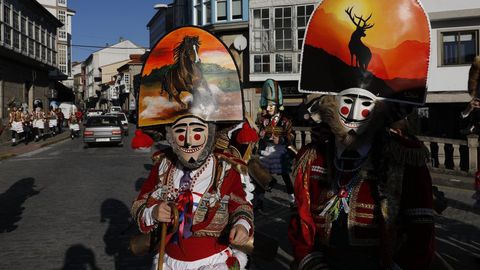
105,57
59,9
455,41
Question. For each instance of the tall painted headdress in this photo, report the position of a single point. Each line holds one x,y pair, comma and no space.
189,72
379,46
271,94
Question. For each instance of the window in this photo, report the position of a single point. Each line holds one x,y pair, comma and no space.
283,28
44,53
303,15
16,22
261,63
236,9
6,14
62,58
7,35
459,47
24,44
37,33
221,10
261,30
37,50
30,29
31,49
283,63
44,38
198,12
49,56
16,39
62,2
23,25
126,78
207,5
62,34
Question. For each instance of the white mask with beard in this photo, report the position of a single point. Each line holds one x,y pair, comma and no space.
192,140
355,107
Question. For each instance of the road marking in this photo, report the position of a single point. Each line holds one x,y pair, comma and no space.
463,243
457,246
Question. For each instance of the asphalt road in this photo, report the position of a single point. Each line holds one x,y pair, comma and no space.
63,207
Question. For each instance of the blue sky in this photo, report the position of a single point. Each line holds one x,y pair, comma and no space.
98,22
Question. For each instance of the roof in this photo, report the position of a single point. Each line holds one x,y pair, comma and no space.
136,59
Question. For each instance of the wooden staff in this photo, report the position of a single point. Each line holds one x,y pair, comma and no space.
161,250
163,235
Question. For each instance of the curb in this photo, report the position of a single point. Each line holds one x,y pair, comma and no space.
54,141
6,156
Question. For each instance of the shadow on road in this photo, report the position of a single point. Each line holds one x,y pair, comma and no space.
78,257
139,183
118,234
11,202
148,167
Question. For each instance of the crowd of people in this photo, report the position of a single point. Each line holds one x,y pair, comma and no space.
26,126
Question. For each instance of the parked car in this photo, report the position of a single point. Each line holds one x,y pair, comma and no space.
103,129
123,120
115,109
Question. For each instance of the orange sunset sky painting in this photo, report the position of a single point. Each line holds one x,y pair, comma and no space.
399,40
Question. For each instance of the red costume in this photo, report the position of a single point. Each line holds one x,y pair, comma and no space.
211,218
368,234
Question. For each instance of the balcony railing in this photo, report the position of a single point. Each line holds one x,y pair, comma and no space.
446,155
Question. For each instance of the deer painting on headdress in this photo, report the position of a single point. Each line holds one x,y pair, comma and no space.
185,73
362,53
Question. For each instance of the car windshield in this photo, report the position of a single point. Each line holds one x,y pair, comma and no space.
102,122
119,115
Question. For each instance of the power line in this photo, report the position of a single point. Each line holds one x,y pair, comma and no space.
106,47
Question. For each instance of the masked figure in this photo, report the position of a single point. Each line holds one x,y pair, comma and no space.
16,124
275,137
39,123
362,188
203,185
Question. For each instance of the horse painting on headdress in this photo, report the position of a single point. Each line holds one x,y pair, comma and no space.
185,73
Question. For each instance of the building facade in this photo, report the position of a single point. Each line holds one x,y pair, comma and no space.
127,83
276,33
59,9
95,76
28,54
455,42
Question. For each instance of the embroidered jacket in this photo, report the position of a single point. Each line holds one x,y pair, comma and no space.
213,216
390,222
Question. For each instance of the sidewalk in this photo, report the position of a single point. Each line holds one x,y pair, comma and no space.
8,151
451,180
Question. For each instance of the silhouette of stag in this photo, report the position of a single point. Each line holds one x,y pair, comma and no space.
362,53
185,73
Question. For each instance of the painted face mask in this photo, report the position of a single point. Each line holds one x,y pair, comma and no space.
355,107
191,139
271,109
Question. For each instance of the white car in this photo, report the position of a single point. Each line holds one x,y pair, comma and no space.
115,109
123,119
